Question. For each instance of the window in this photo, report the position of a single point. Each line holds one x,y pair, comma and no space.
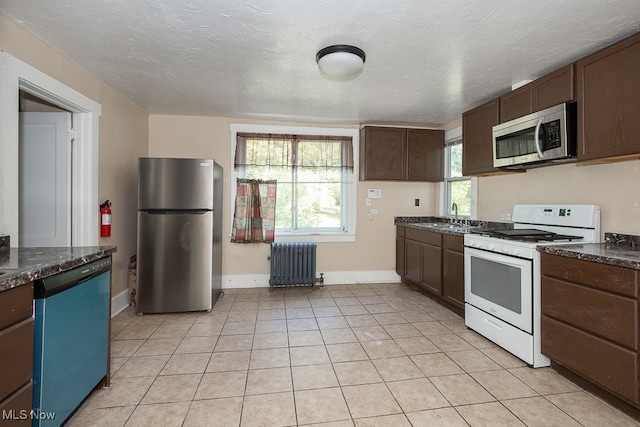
314,173
458,189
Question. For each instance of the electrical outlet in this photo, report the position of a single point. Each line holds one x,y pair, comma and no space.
635,205
374,211
506,217
367,202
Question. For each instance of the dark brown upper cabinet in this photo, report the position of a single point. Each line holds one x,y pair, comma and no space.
553,89
549,90
516,103
401,154
477,139
608,94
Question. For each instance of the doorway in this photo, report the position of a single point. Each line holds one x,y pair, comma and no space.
16,77
44,208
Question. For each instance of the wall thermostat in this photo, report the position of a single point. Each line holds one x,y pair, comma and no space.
374,193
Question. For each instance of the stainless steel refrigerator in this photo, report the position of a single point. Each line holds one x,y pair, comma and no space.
179,234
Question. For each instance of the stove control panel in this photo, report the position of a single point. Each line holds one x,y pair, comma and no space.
500,246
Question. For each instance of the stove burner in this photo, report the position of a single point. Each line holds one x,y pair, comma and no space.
528,235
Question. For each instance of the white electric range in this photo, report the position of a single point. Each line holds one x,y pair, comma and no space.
502,273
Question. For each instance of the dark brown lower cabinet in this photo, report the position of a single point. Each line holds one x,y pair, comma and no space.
400,265
16,354
453,270
590,323
434,262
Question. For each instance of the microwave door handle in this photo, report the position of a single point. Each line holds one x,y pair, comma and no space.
537,139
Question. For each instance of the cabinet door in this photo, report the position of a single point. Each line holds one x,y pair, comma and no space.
608,95
554,88
16,356
400,258
425,155
432,268
516,103
413,260
477,139
453,270
383,153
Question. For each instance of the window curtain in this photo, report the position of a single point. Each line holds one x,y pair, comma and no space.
254,218
303,151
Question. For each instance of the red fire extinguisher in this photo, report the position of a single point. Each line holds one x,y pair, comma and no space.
105,219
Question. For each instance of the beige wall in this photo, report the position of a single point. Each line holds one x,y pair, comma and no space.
126,133
374,248
615,187
123,138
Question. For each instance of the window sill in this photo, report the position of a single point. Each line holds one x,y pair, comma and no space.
315,237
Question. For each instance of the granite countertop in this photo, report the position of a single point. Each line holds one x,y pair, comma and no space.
19,266
618,250
446,225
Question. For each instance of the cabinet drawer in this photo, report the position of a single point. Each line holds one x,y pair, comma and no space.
623,281
16,354
608,315
17,406
424,236
16,305
453,243
608,365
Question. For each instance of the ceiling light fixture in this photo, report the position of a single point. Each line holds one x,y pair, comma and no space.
341,61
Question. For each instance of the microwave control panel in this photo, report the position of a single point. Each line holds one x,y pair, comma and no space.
552,134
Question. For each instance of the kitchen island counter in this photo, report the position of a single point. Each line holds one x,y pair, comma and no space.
19,266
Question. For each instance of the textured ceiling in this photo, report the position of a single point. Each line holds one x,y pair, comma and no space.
427,61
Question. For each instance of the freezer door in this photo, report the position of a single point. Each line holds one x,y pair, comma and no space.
165,183
174,262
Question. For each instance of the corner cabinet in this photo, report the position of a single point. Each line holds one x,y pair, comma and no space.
434,262
477,138
401,154
608,93
590,323
16,353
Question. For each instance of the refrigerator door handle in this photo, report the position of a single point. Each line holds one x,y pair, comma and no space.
175,211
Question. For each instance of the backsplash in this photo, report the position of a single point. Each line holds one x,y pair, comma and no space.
622,239
5,243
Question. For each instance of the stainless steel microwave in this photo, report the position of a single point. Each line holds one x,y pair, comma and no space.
544,137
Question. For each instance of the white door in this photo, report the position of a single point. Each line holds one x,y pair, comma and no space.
44,180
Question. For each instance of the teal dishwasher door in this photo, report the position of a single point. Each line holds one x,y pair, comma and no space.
70,349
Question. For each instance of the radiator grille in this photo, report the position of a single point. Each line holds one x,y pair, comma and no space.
293,264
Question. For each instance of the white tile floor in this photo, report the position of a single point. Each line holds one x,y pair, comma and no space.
363,355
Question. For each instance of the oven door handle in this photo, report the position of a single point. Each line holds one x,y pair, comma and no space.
537,139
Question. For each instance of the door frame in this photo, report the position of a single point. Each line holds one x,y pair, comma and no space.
16,76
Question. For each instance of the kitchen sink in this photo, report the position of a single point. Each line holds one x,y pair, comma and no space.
447,225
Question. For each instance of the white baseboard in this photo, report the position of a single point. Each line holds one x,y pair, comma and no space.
330,278
119,302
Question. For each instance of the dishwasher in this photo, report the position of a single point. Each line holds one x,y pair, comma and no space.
71,348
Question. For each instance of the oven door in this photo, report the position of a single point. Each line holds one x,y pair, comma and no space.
500,285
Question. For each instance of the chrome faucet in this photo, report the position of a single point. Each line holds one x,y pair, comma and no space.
454,207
